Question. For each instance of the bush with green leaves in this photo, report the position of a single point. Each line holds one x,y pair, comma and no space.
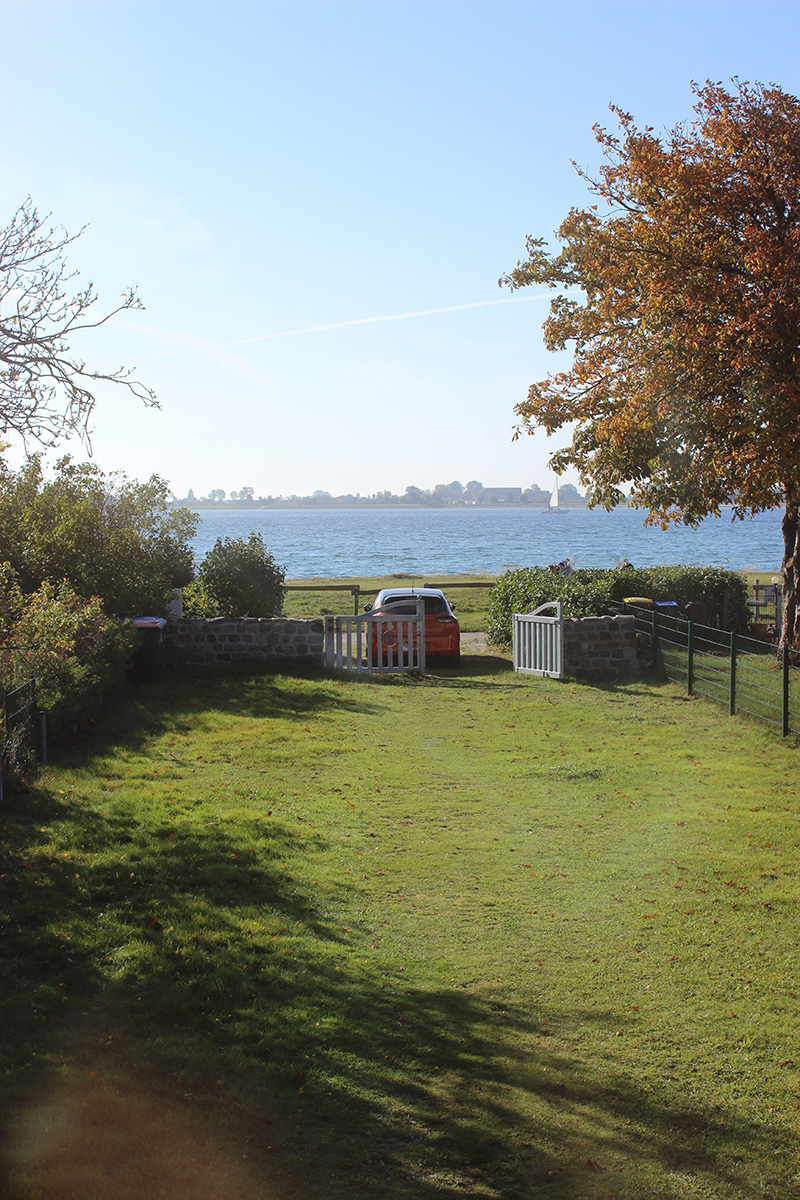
75,653
591,593
240,578
198,602
108,535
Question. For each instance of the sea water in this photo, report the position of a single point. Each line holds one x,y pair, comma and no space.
330,543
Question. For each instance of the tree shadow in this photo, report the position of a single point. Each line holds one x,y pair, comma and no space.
347,1075
216,980
148,710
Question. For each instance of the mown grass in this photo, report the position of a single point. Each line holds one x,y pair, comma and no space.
471,604
470,935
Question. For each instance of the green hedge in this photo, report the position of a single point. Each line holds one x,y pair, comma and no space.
590,593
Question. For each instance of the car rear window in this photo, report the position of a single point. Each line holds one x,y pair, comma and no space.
406,606
435,604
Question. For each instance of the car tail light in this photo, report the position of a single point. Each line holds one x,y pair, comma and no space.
446,621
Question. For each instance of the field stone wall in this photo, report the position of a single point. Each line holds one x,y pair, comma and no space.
600,646
265,641
593,646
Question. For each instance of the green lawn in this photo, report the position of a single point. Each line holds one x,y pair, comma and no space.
471,604
470,935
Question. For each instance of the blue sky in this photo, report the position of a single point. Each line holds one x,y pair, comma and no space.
259,169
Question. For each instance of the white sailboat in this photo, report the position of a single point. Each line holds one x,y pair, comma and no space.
553,506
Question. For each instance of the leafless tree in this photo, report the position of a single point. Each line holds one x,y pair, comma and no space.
46,392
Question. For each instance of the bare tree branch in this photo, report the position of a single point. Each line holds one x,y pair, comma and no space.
46,392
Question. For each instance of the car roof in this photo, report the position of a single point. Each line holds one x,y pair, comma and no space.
410,591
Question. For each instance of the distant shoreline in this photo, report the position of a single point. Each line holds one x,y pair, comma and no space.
226,507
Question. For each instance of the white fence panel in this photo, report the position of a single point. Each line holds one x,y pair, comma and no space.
376,643
538,641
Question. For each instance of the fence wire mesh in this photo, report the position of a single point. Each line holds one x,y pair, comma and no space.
742,674
18,732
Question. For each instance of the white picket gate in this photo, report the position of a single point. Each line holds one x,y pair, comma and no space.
372,643
538,642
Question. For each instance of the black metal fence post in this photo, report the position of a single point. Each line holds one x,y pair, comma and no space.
785,692
689,659
655,638
733,674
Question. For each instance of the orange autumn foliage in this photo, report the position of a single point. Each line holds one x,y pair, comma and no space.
681,304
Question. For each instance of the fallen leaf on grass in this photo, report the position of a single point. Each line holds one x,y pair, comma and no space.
594,1165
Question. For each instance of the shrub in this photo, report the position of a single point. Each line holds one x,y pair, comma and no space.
587,593
68,645
107,535
11,600
198,602
241,578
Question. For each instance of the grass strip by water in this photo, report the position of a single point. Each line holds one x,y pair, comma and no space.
471,604
470,934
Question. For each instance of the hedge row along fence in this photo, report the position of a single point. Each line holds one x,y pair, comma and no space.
593,593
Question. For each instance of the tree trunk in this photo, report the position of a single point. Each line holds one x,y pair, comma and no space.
790,571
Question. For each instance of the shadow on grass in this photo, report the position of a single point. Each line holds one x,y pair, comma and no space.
490,671
216,981
184,702
474,670
355,1079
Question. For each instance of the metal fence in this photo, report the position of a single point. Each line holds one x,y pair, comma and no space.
764,599
740,673
22,731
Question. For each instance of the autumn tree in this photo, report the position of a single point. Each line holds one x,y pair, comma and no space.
47,391
680,299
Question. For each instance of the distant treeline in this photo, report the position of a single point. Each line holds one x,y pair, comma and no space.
452,494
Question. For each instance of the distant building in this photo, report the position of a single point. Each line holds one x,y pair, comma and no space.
501,495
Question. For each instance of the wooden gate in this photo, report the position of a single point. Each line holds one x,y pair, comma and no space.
538,642
377,643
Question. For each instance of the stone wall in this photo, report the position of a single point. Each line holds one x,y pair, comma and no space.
593,646
597,646
265,641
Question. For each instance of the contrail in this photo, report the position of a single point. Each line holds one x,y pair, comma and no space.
193,343
422,312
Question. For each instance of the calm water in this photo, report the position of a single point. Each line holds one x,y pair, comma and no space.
330,543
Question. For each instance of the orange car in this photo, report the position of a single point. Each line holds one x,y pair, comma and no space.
442,631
